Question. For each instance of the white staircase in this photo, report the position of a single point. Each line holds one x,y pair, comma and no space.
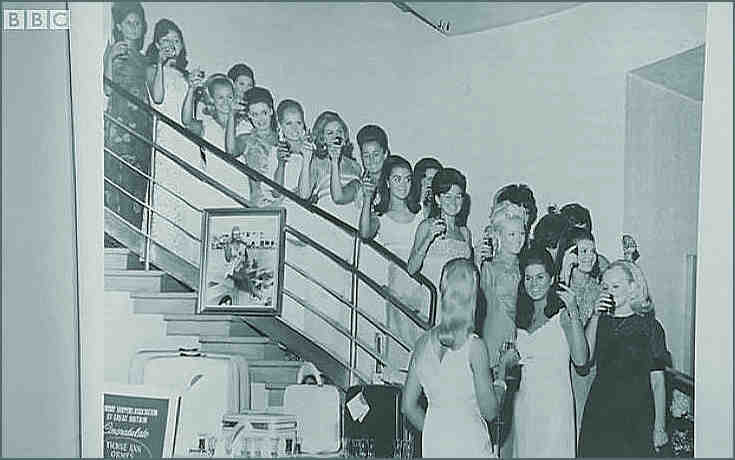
146,309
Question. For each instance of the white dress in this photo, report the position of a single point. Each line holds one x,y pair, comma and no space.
175,178
398,238
454,426
543,419
221,171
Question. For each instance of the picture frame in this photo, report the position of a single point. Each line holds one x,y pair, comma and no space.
242,256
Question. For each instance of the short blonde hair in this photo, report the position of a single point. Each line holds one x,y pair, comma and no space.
458,287
640,301
505,212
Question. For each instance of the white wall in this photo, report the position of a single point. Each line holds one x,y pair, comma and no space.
526,102
662,201
40,354
713,391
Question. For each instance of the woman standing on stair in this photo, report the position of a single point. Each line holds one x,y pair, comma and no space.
444,235
393,225
169,82
126,66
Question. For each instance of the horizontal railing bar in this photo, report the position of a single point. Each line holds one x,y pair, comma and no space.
304,303
319,247
202,177
331,291
157,183
393,300
137,230
190,235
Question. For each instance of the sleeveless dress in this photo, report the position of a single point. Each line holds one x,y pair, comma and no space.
543,419
175,178
454,426
398,238
441,251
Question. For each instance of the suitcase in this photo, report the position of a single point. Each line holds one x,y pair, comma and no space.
212,384
258,434
383,422
318,411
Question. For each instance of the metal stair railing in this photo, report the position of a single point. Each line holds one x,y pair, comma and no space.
352,266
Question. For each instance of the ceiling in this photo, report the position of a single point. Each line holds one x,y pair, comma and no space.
457,18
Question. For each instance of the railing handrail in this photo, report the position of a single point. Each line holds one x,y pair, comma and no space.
251,173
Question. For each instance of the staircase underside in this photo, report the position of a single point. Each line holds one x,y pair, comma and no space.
305,348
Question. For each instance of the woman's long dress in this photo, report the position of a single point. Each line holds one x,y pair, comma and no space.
543,418
454,426
619,415
176,178
398,237
441,251
130,73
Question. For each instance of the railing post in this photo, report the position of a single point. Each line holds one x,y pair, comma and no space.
353,312
149,200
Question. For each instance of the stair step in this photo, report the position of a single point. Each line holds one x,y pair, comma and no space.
253,348
274,371
116,258
208,325
181,303
133,280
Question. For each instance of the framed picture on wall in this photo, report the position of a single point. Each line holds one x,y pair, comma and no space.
242,261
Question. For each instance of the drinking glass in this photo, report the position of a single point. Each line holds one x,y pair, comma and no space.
398,448
370,448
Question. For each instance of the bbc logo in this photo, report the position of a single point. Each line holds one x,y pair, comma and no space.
36,19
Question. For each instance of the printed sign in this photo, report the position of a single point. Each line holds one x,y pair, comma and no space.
139,423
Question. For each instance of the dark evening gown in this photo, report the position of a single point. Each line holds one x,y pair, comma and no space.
619,414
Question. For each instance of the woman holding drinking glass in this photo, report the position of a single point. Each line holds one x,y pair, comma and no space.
549,333
444,235
578,267
625,414
125,65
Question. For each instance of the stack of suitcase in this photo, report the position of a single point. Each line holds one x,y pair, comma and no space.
212,385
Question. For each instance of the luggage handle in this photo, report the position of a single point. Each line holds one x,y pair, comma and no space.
191,352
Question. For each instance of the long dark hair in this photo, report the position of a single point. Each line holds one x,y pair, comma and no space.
163,27
390,163
442,182
120,11
570,237
419,171
535,254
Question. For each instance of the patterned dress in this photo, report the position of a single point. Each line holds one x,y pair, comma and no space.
129,72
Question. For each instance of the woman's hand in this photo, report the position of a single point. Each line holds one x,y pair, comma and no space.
437,227
283,152
164,54
660,438
307,149
571,312
568,263
368,190
509,358
116,50
334,151
604,304
196,78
